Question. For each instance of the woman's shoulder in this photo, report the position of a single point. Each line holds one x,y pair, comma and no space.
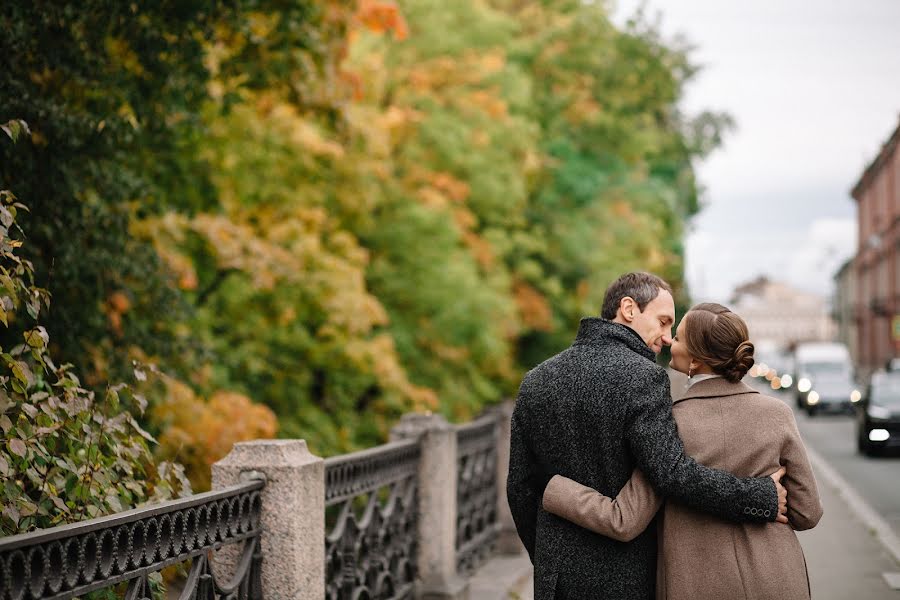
737,395
770,409
775,404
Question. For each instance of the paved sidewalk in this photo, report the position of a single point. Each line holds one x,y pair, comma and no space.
843,557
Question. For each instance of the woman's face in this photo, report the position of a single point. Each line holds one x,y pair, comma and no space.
681,359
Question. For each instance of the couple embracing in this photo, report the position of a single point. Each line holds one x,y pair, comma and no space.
613,501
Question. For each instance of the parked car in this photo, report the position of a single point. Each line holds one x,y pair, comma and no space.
824,376
878,414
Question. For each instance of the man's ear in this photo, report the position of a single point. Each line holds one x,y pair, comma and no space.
627,308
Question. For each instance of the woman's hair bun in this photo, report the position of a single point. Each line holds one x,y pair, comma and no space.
719,338
740,362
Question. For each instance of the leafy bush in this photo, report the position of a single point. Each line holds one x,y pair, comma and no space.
65,456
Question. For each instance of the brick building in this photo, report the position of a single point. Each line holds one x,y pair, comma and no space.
877,195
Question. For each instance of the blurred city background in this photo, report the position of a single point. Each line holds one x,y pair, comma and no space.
237,220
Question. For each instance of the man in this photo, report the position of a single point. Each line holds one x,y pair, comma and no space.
594,413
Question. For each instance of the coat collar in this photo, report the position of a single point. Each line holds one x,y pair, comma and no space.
715,388
593,331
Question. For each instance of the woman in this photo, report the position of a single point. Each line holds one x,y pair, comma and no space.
727,425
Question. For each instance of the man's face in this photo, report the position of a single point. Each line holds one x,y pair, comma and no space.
654,323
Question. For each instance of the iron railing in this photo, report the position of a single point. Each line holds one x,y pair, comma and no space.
371,505
71,560
476,493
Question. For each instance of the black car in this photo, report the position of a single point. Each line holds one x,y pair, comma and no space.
878,415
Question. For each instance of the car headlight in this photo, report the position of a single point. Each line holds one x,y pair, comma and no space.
813,398
855,396
879,435
878,412
804,385
786,381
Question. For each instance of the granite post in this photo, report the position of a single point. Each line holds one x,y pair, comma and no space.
438,579
293,513
508,541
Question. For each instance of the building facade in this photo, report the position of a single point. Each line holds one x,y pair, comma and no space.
845,309
779,314
877,196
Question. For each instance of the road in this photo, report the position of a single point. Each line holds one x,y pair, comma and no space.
876,479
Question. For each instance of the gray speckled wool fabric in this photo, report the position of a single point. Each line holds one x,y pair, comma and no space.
593,413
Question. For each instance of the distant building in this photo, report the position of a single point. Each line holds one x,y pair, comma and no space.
845,309
778,313
877,195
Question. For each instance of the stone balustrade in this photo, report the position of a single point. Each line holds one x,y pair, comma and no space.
413,518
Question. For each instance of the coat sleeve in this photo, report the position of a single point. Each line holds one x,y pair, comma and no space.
659,452
804,505
523,497
622,518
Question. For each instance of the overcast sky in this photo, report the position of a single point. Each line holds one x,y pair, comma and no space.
814,87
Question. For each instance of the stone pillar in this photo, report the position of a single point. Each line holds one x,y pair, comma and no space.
508,541
293,513
438,579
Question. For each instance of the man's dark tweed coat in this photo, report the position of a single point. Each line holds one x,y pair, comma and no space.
593,413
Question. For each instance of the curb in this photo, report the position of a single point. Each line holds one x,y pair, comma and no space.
865,513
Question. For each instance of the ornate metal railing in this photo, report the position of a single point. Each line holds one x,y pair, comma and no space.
72,560
476,493
370,541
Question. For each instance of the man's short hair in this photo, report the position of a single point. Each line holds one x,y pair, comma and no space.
641,287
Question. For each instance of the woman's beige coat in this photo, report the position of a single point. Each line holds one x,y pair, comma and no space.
728,426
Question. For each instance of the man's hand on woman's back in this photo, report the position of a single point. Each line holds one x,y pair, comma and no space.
782,495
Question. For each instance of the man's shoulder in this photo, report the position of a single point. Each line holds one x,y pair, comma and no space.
637,370
607,367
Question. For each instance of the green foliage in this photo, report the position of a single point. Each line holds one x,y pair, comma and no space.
114,92
342,210
65,456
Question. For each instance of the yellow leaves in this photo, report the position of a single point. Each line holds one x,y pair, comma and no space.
382,16
304,133
262,24
480,138
441,190
468,68
457,189
392,376
492,62
432,198
534,308
481,249
120,52
127,112
490,103
465,219
583,110
117,304
201,431
622,209
454,354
